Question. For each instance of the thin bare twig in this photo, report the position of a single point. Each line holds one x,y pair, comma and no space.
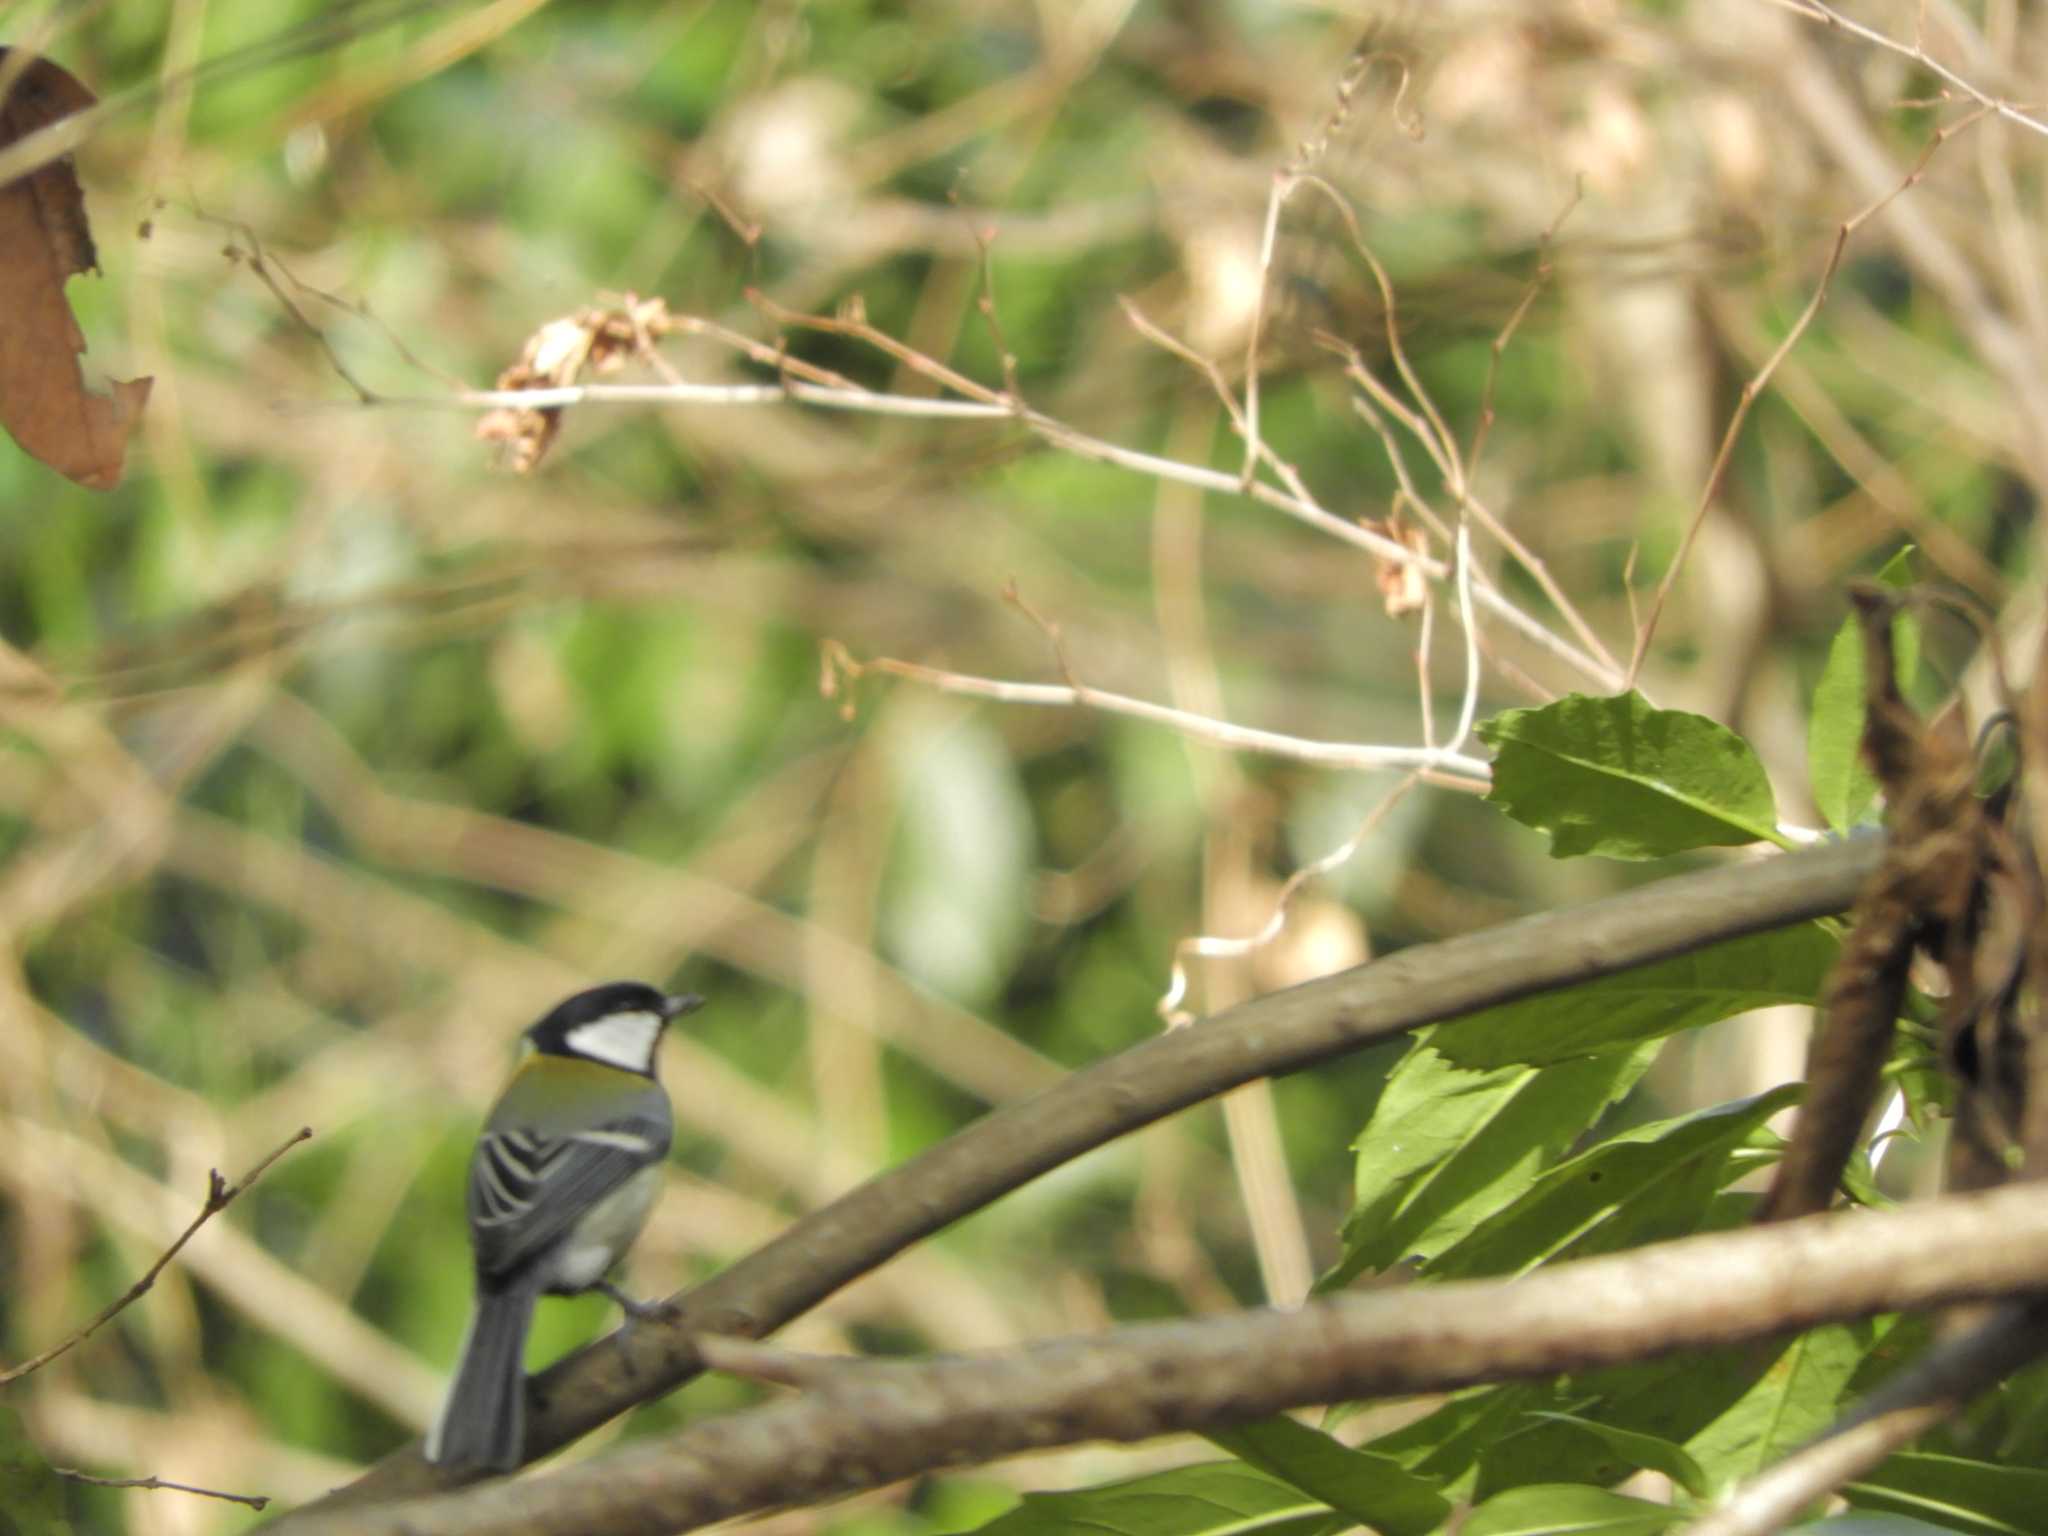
253,1500
979,402
1293,500
1426,424
1760,380
1216,947
1815,10
219,1194
1285,181
840,663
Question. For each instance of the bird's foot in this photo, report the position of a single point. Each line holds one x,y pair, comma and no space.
641,1311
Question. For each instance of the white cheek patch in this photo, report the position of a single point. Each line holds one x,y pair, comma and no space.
624,1039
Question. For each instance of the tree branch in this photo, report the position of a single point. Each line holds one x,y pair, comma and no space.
1281,1032
154,1484
880,1423
219,1194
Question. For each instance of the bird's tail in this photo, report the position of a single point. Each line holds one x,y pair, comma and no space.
483,1421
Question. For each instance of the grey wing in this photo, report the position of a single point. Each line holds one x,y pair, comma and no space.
527,1186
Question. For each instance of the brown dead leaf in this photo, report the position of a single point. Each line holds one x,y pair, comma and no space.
555,356
44,241
1403,588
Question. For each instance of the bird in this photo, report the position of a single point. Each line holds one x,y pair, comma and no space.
563,1176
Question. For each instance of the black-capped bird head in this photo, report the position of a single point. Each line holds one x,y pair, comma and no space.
619,1024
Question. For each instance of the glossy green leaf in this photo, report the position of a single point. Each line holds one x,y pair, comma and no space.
1647,1184
1842,786
1215,1499
1980,1498
1557,1509
1374,1490
1785,965
1447,1146
1616,777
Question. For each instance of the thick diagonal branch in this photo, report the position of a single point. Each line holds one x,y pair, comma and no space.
875,1424
1281,1032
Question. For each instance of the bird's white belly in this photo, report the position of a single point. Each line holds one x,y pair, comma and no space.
596,1242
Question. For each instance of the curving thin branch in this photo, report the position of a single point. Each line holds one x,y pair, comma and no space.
219,1195
164,1484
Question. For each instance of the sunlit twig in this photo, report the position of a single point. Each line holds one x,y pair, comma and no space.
841,664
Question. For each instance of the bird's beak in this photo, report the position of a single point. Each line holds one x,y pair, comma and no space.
682,1003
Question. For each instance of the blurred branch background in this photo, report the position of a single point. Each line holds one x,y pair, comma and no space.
335,751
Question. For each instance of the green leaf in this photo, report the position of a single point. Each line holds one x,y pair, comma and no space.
1446,1146
1646,1184
1225,1498
1374,1490
1672,1399
1555,1509
1785,965
1446,1445
1802,1393
1734,1410
1842,786
1977,1497
1875,1524
1614,776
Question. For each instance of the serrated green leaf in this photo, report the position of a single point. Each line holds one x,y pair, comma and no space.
1374,1490
1651,1182
1616,777
1559,1509
1222,1498
1785,965
1642,1451
1446,1147
1842,786
1979,1498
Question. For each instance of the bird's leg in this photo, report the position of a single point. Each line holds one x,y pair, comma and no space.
640,1311
637,1312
